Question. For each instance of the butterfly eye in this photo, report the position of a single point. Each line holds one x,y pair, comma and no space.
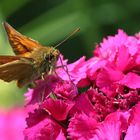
48,57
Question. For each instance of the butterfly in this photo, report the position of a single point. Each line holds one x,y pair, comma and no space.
31,59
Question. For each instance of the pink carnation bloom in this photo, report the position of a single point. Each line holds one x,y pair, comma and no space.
120,55
66,89
76,72
93,99
57,108
41,126
12,124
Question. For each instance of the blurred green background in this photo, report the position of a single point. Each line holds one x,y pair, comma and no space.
50,21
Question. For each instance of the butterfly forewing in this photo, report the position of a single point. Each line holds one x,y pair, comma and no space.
20,43
6,59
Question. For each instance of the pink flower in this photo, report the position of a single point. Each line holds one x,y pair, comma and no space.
131,80
57,108
134,127
51,84
133,132
66,90
61,136
116,58
83,105
76,72
12,124
43,89
107,80
42,127
110,131
93,99
82,127
93,66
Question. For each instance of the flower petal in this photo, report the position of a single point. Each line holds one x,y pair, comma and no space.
66,90
61,136
83,104
82,127
109,131
42,89
75,71
131,80
41,127
57,108
107,80
133,132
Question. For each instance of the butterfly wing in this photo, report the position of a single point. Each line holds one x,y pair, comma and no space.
21,70
6,59
20,43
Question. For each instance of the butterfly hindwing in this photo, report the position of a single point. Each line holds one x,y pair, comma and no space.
21,70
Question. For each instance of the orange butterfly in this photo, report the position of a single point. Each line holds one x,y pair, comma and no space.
32,60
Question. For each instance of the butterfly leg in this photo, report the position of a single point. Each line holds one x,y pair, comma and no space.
32,85
62,66
43,76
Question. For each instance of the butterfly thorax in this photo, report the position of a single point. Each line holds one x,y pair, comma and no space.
44,58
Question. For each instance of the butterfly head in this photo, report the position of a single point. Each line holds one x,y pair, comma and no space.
52,55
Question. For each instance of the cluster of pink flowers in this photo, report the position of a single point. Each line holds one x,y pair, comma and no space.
94,99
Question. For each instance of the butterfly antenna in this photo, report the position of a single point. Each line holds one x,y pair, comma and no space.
65,68
70,35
